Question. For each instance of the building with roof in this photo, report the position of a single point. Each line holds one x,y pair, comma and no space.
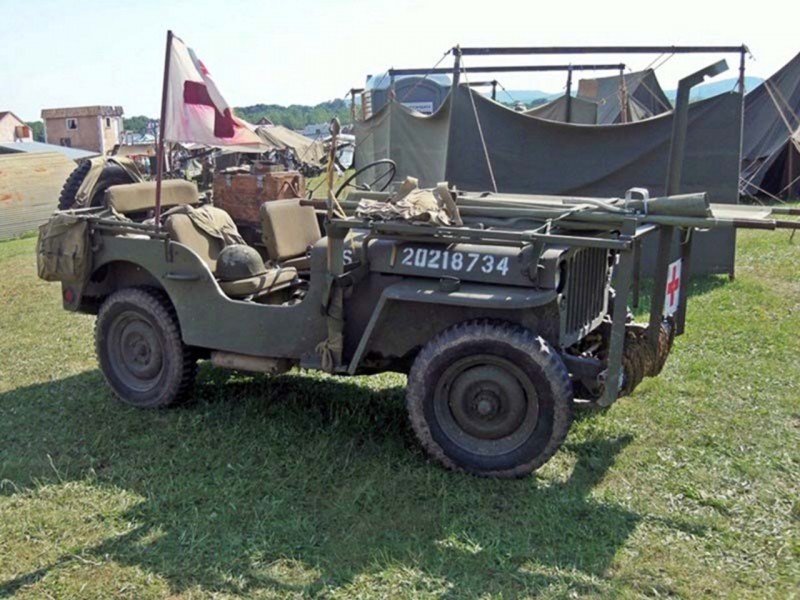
95,128
14,129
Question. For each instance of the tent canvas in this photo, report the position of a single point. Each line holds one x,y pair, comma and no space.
279,137
771,138
644,95
581,111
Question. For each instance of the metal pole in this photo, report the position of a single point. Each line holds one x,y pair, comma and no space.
569,95
161,127
622,276
517,51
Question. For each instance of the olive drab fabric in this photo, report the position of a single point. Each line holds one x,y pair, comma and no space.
64,250
86,190
423,206
580,111
212,221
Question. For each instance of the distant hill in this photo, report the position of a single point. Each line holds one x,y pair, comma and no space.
528,97
296,116
712,88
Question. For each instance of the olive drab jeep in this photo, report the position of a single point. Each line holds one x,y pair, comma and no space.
502,310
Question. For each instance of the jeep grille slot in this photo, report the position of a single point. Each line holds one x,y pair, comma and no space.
585,292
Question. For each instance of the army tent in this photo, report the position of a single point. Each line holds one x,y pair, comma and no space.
608,100
771,137
627,98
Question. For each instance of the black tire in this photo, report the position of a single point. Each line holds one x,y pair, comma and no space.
112,174
489,398
140,350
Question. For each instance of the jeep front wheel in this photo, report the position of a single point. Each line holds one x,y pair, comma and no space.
489,398
140,351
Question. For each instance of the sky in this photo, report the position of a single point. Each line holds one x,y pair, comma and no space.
86,52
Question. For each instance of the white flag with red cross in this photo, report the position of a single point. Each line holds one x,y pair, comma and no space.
195,110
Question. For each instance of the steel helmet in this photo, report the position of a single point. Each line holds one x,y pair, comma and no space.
239,261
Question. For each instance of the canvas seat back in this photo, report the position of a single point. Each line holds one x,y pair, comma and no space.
206,230
288,230
132,198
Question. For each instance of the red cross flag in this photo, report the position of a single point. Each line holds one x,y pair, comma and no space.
195,110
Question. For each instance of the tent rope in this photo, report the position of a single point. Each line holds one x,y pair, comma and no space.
480,128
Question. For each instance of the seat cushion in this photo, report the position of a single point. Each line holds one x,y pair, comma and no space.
184,231
139,197
259,285
288,229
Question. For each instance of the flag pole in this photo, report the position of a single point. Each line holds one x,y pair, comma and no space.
161,127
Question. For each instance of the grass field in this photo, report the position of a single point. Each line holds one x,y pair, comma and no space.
308,485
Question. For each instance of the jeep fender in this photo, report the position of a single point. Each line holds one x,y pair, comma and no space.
445,293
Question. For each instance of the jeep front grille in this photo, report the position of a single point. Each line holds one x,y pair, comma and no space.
585,293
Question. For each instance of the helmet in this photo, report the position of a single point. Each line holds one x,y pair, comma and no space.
239,261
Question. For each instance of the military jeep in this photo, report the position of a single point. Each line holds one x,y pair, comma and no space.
501,322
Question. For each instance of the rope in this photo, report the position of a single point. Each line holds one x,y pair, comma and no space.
502,87
480,129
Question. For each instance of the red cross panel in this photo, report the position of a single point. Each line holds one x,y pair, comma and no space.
195,92
673,292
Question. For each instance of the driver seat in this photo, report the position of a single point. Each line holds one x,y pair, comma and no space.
289,230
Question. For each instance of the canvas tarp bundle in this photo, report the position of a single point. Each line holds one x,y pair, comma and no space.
771,138
644,95
63,250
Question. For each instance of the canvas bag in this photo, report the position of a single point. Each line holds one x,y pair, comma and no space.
64,250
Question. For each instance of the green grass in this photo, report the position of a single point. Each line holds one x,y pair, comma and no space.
309,485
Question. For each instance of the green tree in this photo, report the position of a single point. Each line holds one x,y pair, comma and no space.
37,128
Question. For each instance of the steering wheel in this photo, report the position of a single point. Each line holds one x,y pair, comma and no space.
388,175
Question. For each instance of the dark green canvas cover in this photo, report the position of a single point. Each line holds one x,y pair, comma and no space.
771,138
580,111
416,142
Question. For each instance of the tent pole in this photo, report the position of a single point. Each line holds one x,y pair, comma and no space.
161,127
569,95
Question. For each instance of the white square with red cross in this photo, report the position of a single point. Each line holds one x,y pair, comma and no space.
672,297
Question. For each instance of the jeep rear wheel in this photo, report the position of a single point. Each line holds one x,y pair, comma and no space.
140,350
489,398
